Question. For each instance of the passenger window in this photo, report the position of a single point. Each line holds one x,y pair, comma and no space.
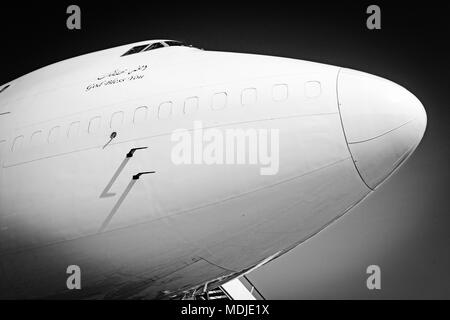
280,92
116,120
249,96
219,101
17,144
37,138
94,124
53,134
140,115
191,105
165,110
313,89
74,129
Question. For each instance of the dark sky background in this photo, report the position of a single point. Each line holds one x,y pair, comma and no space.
405,226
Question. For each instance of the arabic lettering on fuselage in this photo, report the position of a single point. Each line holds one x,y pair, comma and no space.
119,72
118,76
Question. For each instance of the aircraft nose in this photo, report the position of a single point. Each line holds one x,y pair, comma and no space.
383,123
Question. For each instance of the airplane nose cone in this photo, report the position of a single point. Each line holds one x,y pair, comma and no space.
383,123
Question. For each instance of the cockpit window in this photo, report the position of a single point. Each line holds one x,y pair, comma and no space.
4,88
135,50
175,43
153,46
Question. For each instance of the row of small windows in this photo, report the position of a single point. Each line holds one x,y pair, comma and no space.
219,101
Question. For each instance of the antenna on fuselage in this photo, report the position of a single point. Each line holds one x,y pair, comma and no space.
111,138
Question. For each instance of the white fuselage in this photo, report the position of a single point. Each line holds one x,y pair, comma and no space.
67,197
